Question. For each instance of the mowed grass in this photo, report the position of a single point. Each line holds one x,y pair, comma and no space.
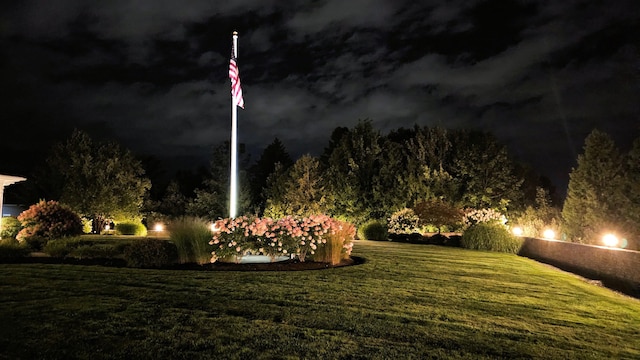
405,302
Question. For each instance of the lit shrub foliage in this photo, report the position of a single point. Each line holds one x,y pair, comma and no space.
298,236
191,235
490,237
49,220
10,227
151,253
135,228
87,225
404,221
373,230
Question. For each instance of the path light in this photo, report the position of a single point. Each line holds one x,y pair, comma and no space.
517,231
610,240
549,234
158,227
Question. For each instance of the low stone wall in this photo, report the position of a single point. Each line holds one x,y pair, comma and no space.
616,268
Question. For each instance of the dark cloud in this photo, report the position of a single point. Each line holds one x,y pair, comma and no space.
153,74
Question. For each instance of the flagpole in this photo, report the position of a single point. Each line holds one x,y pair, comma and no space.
234,142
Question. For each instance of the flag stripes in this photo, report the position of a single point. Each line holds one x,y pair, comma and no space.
236,90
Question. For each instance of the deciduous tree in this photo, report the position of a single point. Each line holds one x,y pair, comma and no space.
99,180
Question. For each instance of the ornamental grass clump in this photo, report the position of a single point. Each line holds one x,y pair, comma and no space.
49,220
191,236
339,243
490,237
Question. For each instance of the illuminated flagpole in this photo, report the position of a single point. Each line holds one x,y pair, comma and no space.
234,140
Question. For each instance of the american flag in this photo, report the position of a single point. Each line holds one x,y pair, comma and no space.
236,90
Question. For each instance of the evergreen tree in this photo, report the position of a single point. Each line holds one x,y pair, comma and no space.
631,192
212,198
305,189
595,191
276,205
352,167
274,153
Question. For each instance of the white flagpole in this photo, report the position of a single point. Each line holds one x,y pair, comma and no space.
234,142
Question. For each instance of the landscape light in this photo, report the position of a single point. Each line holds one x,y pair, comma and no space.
517,231
158,227
214,228
610,240
107,227
549,234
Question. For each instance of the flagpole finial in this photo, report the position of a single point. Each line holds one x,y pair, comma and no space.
235,33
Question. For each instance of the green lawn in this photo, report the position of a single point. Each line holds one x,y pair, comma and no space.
406,301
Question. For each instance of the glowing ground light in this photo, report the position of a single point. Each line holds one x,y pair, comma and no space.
549,234
610,240
517,231
213,227
107,227
158,227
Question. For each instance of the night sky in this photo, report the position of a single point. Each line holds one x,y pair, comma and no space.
153,75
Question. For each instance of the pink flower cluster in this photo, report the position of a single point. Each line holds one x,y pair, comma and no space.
286,236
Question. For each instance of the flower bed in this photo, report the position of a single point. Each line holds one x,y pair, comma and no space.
318,237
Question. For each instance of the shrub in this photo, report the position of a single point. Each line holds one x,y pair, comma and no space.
94,251
36,243
135,228
87,225
61,247
412,238
476,216
151,253
453,240
191,236
10,227
534,222
11,248
438,239
404,221
490,237
373,230
50,220
287,236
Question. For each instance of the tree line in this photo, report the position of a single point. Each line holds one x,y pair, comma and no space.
360,175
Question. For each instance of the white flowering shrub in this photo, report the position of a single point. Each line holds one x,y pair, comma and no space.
475,216
404,221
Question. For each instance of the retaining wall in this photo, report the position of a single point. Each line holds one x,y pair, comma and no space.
616,268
